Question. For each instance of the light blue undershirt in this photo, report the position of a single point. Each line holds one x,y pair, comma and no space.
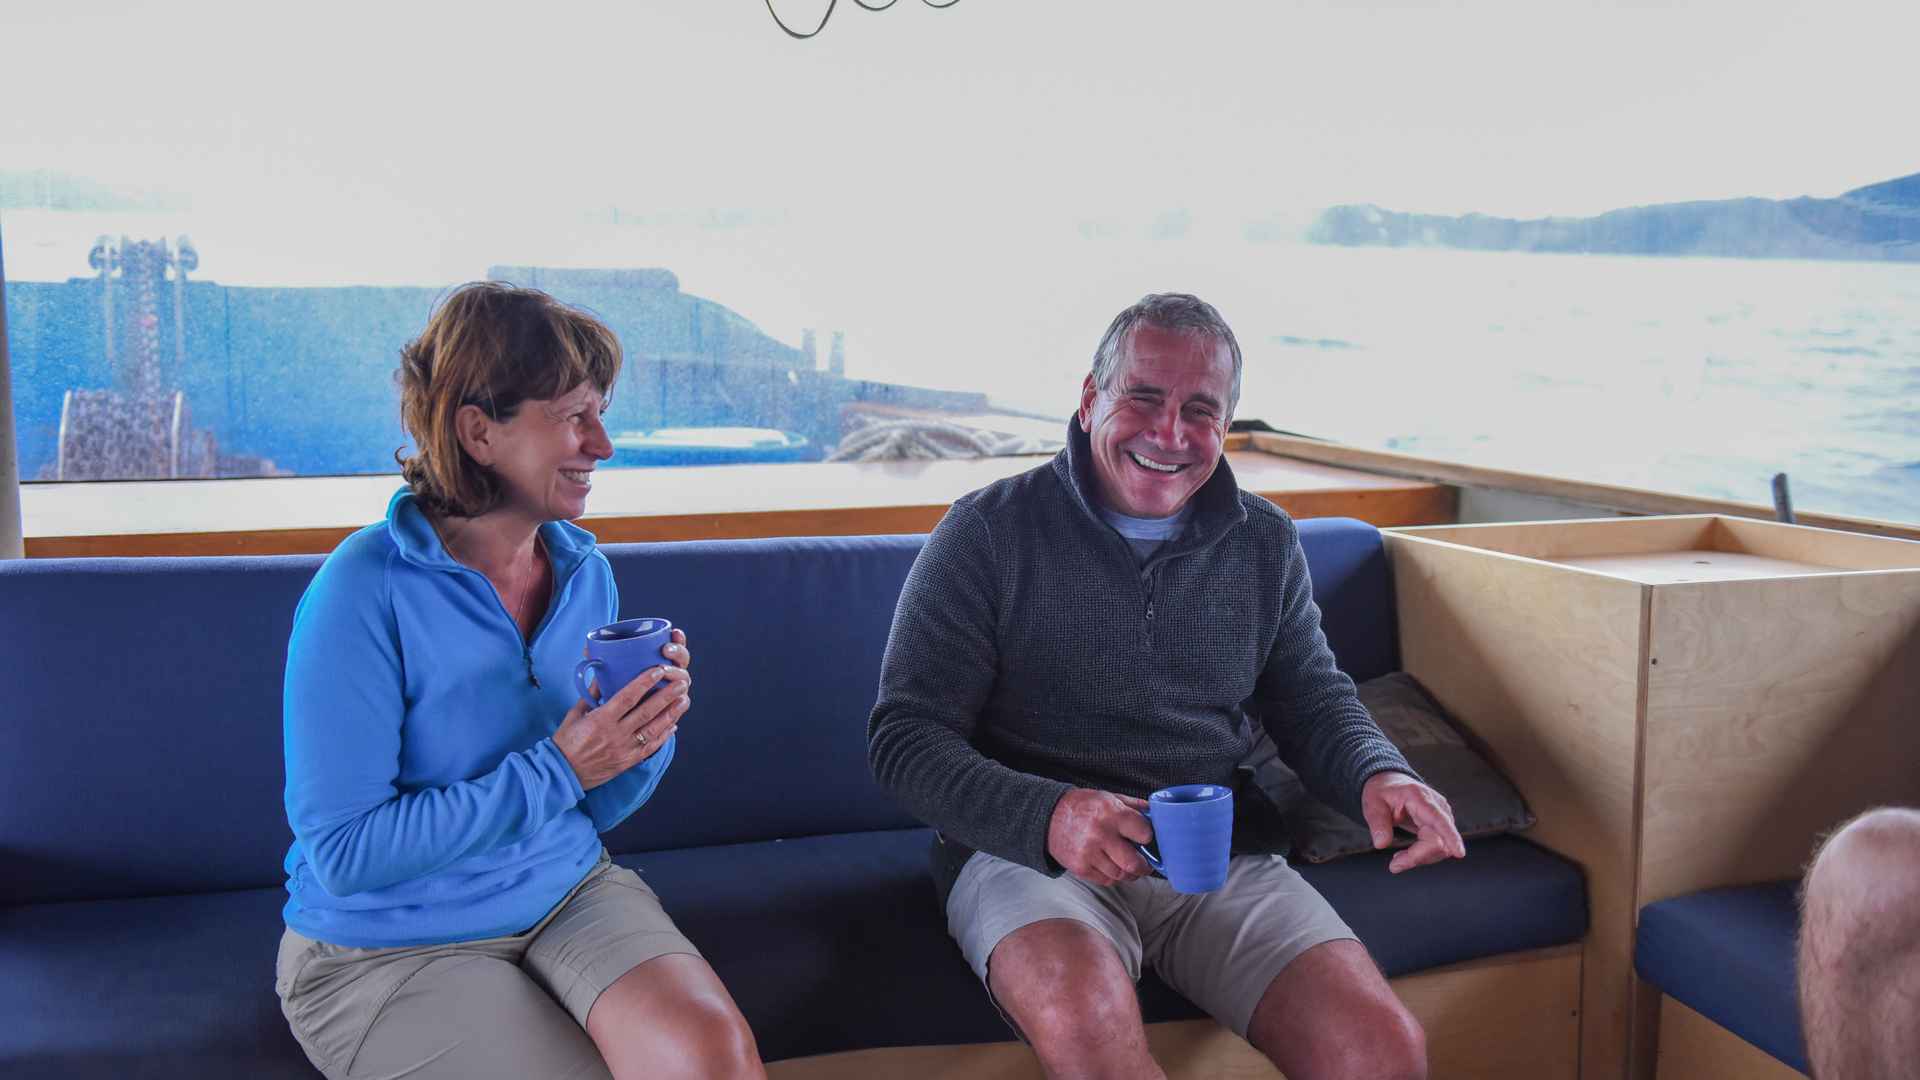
1145,535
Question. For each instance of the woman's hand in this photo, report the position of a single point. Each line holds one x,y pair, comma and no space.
601,743
675,652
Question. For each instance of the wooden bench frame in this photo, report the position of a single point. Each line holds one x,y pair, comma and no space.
1670,735
1513,1017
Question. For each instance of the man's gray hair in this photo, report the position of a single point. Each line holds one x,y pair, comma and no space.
1179,312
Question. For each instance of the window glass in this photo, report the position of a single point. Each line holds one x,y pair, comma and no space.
1652,245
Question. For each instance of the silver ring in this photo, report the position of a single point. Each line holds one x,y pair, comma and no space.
641,738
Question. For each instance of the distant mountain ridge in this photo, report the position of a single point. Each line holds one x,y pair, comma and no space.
1879,222
50,189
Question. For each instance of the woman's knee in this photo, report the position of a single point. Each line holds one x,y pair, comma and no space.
672,1017
692,1037
711,1030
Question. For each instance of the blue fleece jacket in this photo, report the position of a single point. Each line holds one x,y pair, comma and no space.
428,801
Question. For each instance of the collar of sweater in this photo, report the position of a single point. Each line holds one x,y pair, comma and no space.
568,545
1216,506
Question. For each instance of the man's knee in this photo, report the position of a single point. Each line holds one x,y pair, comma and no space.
1400,1049
1882,839
1331,1013
1857,951
1381,1039
1870,867
1064,984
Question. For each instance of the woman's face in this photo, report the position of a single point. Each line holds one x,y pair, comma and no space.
545,455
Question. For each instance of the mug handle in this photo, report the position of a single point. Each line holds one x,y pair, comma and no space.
1152,859
581,682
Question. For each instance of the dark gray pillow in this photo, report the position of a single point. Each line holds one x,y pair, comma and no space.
1484,802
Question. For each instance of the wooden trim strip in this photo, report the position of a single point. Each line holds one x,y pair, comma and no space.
1385,508
306,515
1608,496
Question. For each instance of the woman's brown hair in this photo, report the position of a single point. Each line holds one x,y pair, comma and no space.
493,346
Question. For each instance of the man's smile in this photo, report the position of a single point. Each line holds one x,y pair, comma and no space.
1156,466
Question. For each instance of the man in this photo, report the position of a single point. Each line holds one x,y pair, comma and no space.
1079,636
1859,967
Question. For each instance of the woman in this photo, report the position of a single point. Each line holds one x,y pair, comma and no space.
452,911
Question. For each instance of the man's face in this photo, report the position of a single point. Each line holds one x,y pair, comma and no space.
1158,428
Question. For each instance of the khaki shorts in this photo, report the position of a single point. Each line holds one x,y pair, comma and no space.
511,1006
1221,950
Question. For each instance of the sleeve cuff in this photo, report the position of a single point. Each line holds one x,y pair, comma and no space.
1048,794
550,754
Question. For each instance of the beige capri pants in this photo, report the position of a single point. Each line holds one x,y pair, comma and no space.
512,1006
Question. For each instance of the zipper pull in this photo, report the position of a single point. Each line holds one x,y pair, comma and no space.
531,677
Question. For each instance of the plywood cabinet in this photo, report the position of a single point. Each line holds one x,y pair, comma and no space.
1684,701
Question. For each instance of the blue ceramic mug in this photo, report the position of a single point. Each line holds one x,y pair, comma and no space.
616,655
1193,828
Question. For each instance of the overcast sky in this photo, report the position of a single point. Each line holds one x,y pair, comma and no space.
358,120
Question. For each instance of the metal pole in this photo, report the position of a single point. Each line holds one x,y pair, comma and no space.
12,546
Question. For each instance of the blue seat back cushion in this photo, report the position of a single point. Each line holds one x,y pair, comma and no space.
140,730
787,637
1352,585
141,753
1728,955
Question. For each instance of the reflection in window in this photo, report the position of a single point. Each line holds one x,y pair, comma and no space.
141,372
1433,228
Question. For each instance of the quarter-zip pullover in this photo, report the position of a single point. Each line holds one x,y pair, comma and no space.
1032,653
428,801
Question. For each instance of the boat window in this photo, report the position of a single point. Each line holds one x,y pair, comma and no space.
1664,246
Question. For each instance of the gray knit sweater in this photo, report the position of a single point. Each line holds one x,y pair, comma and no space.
1032,653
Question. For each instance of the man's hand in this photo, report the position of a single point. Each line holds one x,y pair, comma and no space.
1394,798
1092,835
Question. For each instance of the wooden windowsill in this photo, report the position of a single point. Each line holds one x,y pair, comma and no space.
1611,497
311,514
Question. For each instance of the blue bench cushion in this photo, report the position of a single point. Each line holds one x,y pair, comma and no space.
828,943
1728,955
172,986
836,942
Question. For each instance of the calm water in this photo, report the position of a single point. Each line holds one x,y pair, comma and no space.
1702,376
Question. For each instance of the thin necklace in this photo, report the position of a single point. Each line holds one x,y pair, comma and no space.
526,591
518,612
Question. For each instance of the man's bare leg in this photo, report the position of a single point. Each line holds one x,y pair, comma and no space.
1331,1014
1064,985
1859,964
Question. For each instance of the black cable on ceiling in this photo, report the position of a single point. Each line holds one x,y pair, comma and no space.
792,33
